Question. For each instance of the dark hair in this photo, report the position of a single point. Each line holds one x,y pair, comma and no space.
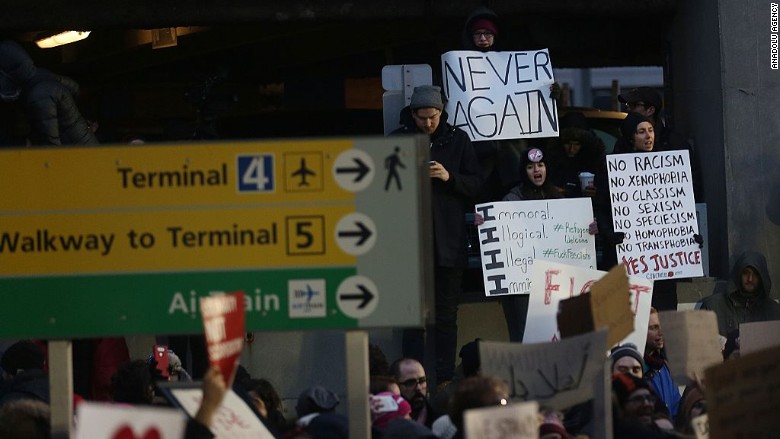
22,355
475,392
377,361
133,384
380,383
25,419
265,391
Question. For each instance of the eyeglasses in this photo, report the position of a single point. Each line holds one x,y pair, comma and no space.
639,399
411,382
632,105
480,34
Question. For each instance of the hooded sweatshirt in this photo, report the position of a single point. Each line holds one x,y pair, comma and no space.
739,307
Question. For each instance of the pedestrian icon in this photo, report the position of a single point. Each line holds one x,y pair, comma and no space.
392,163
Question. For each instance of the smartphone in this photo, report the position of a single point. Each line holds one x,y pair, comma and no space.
161,356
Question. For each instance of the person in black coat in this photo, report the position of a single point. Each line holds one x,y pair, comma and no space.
455,181
49,100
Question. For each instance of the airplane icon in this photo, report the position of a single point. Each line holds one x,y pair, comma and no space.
303,172
308,293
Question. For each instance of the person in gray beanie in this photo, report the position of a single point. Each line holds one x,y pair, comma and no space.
627,359
455,181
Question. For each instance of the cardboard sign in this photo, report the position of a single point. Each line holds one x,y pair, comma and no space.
605,306
742,396
758,335
557,375
558,281
516,233
113,421
514,421
234,419
224,326
692,342
500,95
701,426
652,203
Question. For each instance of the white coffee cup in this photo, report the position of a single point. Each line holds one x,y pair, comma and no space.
586,179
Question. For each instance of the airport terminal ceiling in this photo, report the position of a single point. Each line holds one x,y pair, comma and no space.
251,46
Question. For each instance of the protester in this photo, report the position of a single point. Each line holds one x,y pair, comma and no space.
692,405
633,409
656,367
751,301
411,378
575,151
648,102
627,359
455,181
23,375
214,391
476,392
49,99
133,383
316,414
267,401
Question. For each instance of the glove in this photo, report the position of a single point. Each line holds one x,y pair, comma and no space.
555,90
699,240
618,237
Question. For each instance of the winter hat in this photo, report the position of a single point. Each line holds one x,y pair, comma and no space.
316,399
552,424
690,398
22,355
387,414
626,350
426,96
533,155
484,23
643,94
628,127
624,385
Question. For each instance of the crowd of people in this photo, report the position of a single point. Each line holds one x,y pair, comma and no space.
404,400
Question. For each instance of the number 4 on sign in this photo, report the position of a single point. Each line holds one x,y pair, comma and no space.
256,173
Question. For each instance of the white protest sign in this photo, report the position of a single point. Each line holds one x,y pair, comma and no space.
113,421
652,203
514,421
500,95
693,342
515,233
234,419
557,375
558,281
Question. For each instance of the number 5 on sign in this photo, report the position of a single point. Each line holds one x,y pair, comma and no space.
256,173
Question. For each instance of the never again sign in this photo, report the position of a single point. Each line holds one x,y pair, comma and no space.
500,95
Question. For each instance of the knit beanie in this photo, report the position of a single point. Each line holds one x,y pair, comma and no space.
426,96
316,399
624,385
690,398
627,349
628,127
22,355
533,155
484,23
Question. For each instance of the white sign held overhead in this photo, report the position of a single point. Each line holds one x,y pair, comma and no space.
500,95
112,421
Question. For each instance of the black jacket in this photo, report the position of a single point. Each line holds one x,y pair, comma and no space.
451,200
736,307
29,384
49,99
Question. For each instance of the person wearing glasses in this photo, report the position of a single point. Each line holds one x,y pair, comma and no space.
411,378
633,407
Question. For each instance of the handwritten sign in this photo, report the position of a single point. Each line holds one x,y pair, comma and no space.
742,396
234,419
652,203
224,326
515,233
756,336
701,426
500,95
111,421
557,375
514,421
695,343
559,281
604,307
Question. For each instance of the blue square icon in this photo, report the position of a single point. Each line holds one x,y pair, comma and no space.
256,173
